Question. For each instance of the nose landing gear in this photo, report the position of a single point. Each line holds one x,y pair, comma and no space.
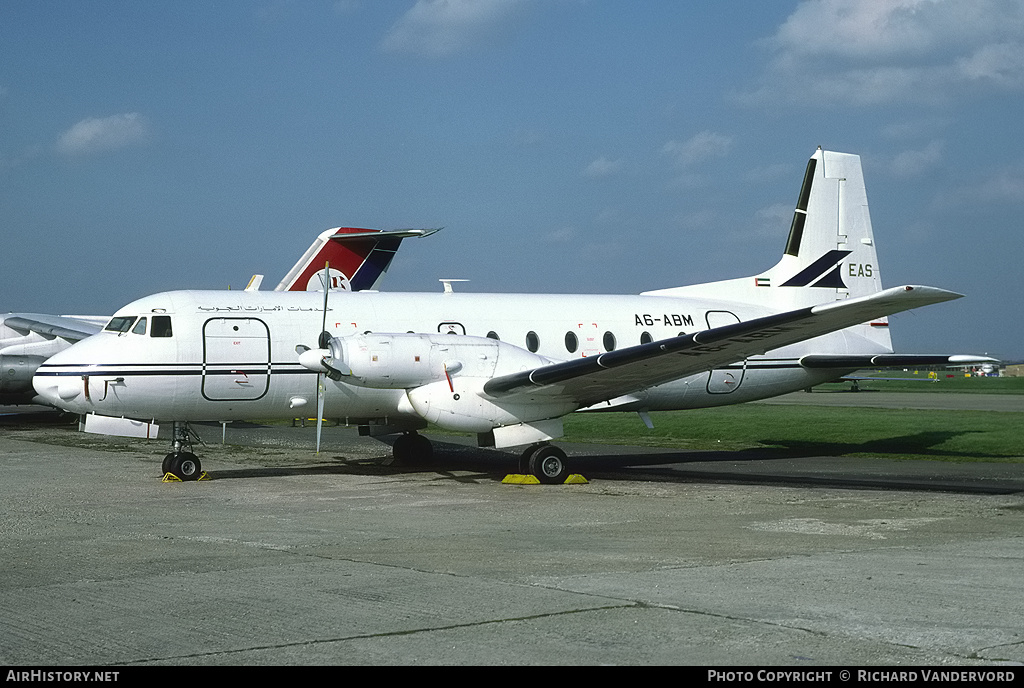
182,463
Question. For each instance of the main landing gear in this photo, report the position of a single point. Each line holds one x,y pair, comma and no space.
181,462
546,462
412,449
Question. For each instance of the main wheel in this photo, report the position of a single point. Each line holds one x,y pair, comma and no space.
185,466
412,449
548,464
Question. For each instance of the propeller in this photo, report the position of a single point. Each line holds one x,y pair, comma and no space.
323,341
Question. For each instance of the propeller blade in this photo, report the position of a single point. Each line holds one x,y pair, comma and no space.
321,387
327,288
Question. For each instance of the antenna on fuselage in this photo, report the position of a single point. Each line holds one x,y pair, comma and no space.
447,282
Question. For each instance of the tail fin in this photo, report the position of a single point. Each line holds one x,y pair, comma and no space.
830,253
831,248
358,259
829,256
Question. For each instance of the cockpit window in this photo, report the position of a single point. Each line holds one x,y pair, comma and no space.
121,323
140,327
161,326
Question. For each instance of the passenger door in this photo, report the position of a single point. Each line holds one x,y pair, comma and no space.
236,359
729,378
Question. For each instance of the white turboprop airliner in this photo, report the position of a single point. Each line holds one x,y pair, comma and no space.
507,367
358,258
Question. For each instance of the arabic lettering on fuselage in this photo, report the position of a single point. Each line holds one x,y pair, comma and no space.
256,309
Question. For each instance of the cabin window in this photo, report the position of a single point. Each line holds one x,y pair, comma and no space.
646,338
609,341
120,323
140,327
571,343
161,326
532,341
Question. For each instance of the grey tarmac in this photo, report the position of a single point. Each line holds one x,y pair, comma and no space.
288,557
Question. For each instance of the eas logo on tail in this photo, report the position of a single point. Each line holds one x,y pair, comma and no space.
827,263
337,281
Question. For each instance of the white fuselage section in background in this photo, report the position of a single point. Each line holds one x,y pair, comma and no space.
232,355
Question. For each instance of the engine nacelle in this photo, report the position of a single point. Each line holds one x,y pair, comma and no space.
463,406
16,376
407,361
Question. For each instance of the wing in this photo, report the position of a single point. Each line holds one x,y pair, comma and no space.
66,327
590,380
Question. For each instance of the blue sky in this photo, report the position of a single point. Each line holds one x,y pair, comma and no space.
595,146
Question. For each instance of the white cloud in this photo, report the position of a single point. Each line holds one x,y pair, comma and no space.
1001,65
704,146
96,134
602,167
437,28
854,28
912,163
867,52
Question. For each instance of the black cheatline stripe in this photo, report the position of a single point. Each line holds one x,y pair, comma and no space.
154,371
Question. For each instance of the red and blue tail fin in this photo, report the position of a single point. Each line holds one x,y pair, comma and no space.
358,259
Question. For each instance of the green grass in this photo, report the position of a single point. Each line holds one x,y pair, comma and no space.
918,381
812,431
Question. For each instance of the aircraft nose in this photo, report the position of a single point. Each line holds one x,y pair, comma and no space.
58,390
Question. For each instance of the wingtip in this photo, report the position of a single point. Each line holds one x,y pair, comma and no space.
933,294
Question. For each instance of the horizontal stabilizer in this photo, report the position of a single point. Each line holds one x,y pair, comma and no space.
844,361
358,259
383,234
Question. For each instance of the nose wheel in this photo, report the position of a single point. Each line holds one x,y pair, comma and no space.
183,466
182,463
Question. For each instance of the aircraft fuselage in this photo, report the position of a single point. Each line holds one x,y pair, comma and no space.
232,355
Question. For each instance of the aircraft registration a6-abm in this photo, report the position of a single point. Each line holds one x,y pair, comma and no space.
506,367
